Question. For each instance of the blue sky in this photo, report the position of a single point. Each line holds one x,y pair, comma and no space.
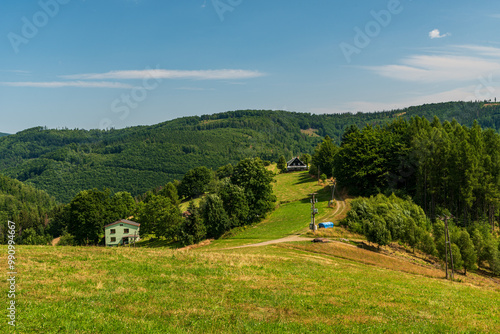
118,63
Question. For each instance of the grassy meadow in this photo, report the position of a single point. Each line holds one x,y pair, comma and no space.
293,213
294,287
257,290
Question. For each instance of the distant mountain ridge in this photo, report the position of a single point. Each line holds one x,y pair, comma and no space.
3,134
137,159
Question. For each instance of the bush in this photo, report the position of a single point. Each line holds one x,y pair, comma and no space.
382,219
458,263
30,237
66,240
427,245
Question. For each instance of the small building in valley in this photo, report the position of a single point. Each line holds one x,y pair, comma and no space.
295,165
121,232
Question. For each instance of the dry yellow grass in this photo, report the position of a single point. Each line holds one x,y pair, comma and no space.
390,258
335,233
351,252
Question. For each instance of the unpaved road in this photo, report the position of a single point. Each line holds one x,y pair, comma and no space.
295,237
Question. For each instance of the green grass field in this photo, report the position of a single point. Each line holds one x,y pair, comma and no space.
295,287
256,290
293,213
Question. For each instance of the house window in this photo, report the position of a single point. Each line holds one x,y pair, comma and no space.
113,239
112,231
121,224
125,230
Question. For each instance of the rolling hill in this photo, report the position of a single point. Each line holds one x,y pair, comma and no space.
137,159
290,287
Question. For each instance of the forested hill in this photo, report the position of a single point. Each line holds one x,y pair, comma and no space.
3,134
25,205
137,159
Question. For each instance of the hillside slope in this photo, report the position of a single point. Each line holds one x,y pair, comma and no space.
23,204
251,290
137,159
295,287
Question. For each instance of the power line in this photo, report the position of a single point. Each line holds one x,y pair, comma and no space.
447,244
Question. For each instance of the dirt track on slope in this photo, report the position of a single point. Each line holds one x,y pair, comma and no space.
295,237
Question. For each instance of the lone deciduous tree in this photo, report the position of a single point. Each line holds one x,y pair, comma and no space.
282,164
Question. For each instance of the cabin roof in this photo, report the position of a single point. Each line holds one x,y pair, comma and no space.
297,162
124,221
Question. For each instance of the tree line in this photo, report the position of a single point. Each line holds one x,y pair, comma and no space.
443,167
231,196
64,162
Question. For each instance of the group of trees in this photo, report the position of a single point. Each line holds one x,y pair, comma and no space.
86,215
440,165
385,219
238,196
232,196
29,208
444,167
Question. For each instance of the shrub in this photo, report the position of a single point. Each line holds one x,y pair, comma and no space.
66,240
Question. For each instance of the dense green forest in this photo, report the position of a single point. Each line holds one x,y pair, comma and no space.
441,165
440,169
28,207
137,159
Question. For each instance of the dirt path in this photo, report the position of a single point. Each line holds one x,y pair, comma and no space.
295,237
55,241
340,207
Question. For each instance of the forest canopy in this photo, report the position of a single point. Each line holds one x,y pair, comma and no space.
137,159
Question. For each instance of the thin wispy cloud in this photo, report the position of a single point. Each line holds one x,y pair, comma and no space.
16,71
443,67
437,34
465,93
193,88
224,74
60,84
480,50
92,80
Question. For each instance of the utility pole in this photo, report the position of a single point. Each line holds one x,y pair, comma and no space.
333,185
447,245
314,211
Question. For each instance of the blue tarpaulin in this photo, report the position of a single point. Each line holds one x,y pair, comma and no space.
325,225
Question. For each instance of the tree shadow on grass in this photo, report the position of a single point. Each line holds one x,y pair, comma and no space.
323,194
363,245
157,243
304,178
